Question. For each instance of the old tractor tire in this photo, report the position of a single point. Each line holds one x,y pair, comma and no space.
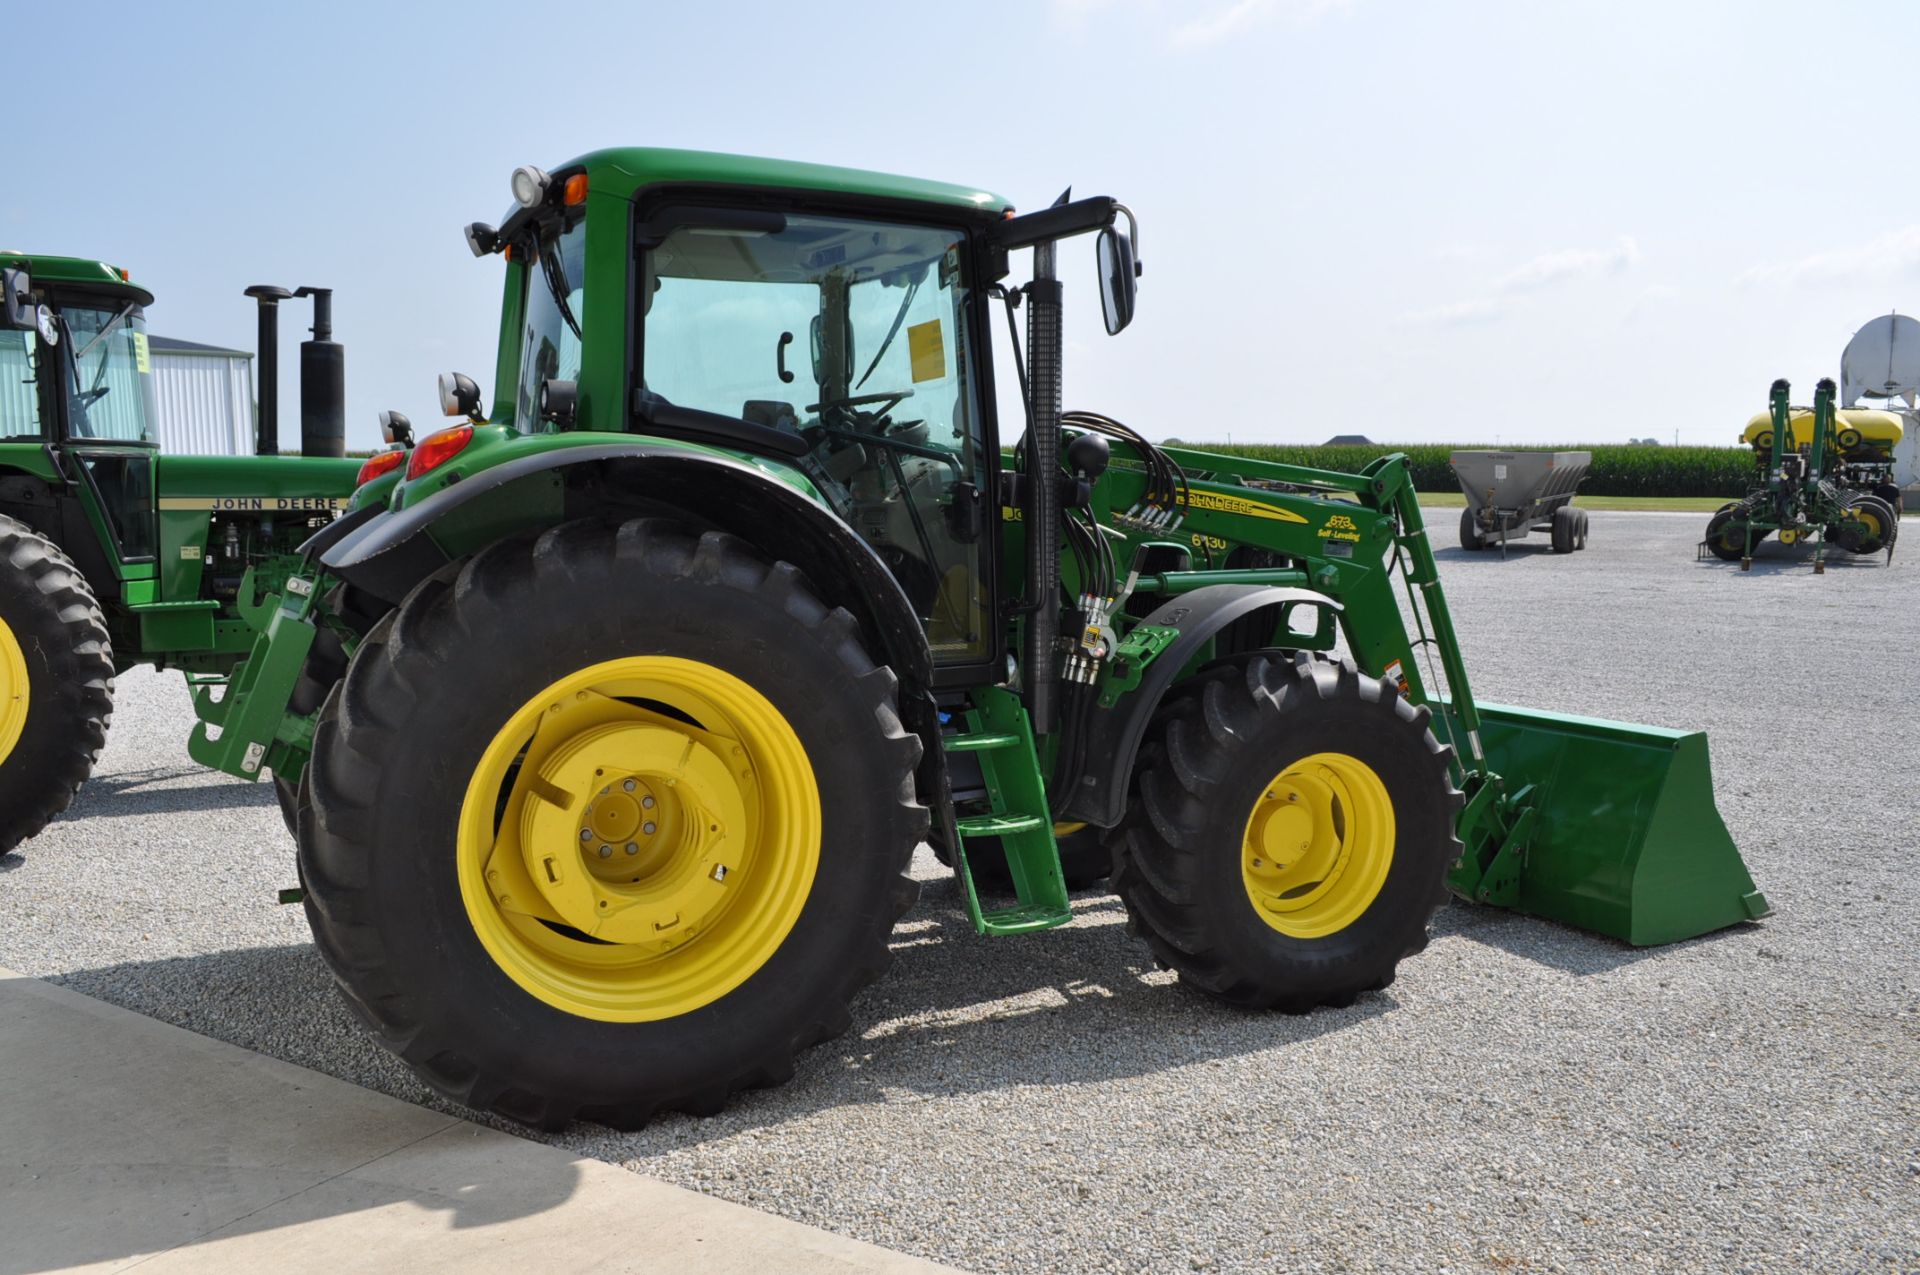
666,689
1290,832
56,681
1723,542
1084,860
1470,532
1566,534
1882,523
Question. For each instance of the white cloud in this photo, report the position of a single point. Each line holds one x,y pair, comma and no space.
1547,270
1897,252
1459,314
1241,14
1569,263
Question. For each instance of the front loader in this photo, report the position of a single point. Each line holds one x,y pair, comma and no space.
659,667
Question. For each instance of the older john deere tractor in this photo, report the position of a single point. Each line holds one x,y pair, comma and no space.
660,667
111,554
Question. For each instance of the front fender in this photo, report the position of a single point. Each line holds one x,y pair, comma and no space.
1114,734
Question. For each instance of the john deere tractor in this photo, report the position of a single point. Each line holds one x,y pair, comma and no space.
110,553
648,680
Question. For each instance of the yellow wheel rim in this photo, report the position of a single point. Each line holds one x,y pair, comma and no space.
1866,517
13,691
1318,845
639,839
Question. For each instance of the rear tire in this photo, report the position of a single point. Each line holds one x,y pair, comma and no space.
1470,532
1580,530
419,753
56,681
1188,863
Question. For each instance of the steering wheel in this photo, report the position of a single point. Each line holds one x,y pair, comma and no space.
889,397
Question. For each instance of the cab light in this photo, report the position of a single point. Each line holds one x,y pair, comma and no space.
437,448
575,191
380,463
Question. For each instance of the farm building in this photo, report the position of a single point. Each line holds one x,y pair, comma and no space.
203,395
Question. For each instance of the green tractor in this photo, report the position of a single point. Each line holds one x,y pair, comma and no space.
658,668
111,554
1824,476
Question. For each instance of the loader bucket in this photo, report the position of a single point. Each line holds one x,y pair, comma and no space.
1624,838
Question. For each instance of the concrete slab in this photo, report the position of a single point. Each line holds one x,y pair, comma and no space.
127,1142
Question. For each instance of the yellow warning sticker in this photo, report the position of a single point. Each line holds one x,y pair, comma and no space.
928,350
140,361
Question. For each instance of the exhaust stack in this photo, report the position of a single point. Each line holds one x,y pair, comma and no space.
323,382
267,416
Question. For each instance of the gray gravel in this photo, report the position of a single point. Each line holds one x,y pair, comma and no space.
1525,1097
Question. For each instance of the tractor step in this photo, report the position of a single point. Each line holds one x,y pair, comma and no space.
995,728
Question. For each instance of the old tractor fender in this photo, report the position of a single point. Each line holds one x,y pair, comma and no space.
385,555
1114,734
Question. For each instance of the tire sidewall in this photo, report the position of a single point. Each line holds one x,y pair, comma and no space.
1397,917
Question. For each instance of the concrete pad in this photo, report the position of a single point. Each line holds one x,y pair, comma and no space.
125,1141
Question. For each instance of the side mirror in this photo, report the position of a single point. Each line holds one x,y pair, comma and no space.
16,310
1119,276
459,396
396,428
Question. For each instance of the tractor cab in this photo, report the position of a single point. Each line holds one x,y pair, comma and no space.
77,400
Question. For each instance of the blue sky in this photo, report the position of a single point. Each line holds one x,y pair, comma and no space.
1541,222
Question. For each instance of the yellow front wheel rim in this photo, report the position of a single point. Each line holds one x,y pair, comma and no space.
13,691
1318,845
639,839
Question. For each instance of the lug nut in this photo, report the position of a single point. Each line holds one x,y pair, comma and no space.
628,784
632,848
586,834
605,851
649,828
646,802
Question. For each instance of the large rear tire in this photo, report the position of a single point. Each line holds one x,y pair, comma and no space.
610,822
1290,832
56,682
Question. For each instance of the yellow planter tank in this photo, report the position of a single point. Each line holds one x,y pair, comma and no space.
1857,429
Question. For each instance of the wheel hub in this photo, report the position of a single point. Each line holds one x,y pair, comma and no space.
1318,844
13,691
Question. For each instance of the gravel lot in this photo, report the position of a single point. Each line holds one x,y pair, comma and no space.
1525,1097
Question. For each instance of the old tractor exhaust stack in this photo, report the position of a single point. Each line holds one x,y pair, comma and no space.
323,376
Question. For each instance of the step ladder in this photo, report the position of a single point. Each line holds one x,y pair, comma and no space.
995,728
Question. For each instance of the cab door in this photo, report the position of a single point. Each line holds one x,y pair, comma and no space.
106,416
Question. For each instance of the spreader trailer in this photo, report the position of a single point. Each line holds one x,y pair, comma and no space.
1511,493
658,668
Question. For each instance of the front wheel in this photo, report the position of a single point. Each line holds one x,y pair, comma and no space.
613,821
1290,834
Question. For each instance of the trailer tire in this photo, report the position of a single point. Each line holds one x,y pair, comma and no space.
660,652
1363,779
1721,542
1580,530
56,681
1565,529
1470,532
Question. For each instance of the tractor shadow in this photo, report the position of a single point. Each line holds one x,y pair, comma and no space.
164,790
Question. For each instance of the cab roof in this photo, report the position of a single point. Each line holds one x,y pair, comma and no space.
624,170
75,271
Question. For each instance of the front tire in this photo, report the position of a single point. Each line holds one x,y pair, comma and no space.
56,682
611,822
1290,834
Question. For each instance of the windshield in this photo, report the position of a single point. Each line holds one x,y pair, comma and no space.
549,343
852,335
110,374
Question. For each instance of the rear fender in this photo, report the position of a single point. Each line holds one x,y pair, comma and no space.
386,555
1114,734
